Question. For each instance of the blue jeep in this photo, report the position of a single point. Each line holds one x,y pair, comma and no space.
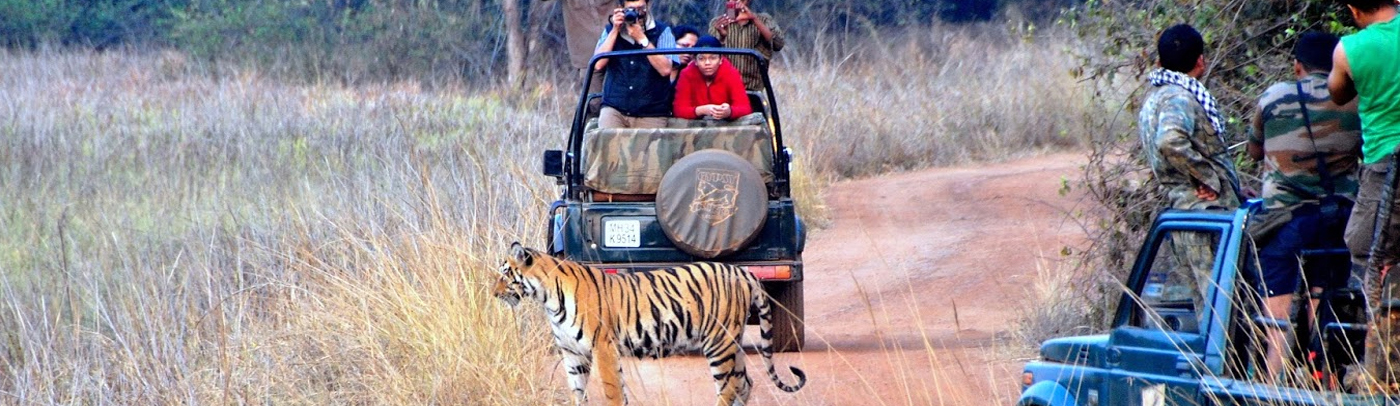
1175,343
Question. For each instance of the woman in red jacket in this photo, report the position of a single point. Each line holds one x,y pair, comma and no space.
711,87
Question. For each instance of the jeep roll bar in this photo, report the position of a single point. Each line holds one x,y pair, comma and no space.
571,160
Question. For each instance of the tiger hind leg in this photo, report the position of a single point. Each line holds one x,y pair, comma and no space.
732,382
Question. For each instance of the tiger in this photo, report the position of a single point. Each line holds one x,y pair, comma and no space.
596,317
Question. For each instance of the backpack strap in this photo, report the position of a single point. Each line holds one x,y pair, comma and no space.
1322,172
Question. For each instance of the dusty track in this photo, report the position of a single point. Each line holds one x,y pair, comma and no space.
883,281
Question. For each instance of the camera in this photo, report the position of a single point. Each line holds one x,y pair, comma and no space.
629,15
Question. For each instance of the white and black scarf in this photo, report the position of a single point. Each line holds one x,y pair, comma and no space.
1163,76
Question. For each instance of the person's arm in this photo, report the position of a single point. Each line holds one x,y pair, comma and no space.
1255,147
770,31
1173,141
664,64
739,105
661,63
684,104
1339,82
608,39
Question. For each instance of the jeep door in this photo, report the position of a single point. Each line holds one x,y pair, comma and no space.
1161,344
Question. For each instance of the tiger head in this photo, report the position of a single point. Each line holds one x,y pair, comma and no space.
518,275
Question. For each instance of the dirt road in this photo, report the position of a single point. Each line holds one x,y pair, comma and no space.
912,293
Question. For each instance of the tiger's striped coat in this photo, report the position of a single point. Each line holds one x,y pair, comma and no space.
596,316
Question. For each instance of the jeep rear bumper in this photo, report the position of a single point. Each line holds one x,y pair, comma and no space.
767,271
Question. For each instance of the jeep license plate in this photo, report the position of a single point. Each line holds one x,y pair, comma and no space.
622,233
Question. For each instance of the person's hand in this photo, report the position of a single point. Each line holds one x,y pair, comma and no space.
617,18
744,13
722,25
720,111
1204,192
636,32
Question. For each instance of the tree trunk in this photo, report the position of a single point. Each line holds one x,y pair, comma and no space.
515,44
540,13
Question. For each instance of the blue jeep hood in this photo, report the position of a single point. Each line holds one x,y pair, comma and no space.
1081,350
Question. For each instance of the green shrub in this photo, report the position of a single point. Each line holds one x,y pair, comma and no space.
95,23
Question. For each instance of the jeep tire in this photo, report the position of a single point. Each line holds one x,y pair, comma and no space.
789,330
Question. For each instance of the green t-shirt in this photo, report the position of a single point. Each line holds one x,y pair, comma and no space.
1374,55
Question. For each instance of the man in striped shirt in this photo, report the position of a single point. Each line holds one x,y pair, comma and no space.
748,29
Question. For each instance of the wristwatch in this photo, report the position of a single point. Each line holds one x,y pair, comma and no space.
645,42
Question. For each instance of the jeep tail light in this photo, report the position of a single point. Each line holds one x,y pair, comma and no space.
770,271
610,270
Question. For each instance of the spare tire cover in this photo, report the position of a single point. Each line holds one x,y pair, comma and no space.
711,203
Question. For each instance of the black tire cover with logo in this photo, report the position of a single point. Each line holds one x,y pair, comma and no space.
711,203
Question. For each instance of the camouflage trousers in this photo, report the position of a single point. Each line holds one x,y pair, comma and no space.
1381,287
1195,253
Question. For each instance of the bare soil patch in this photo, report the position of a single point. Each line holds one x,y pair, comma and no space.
912,293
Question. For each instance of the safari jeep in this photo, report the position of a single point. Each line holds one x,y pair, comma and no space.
697,190
1172,345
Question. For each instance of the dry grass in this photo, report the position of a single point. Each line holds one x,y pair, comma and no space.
176,234
1056,304
935,96
181,239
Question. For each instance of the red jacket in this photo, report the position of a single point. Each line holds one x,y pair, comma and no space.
692,92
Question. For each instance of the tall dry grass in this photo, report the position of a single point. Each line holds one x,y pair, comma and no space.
171,238
173,233
936,95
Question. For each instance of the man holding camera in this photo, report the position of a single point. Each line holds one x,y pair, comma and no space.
741,27
637,90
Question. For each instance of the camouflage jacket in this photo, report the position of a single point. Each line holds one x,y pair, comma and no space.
1184,150
1291,175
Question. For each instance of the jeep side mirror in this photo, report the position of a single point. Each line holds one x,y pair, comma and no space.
554,163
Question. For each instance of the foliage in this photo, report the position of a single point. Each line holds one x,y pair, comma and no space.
345,41
95,23
431,40
1248,47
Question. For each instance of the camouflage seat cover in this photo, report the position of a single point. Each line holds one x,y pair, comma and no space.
632,161
674,122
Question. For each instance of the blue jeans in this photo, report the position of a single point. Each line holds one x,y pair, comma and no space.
1310,229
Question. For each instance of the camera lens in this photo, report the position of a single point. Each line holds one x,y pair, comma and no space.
629,15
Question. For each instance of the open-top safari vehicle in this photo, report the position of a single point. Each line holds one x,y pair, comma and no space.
697,190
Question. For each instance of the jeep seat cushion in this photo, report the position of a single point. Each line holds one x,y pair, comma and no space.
631,161
712,203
